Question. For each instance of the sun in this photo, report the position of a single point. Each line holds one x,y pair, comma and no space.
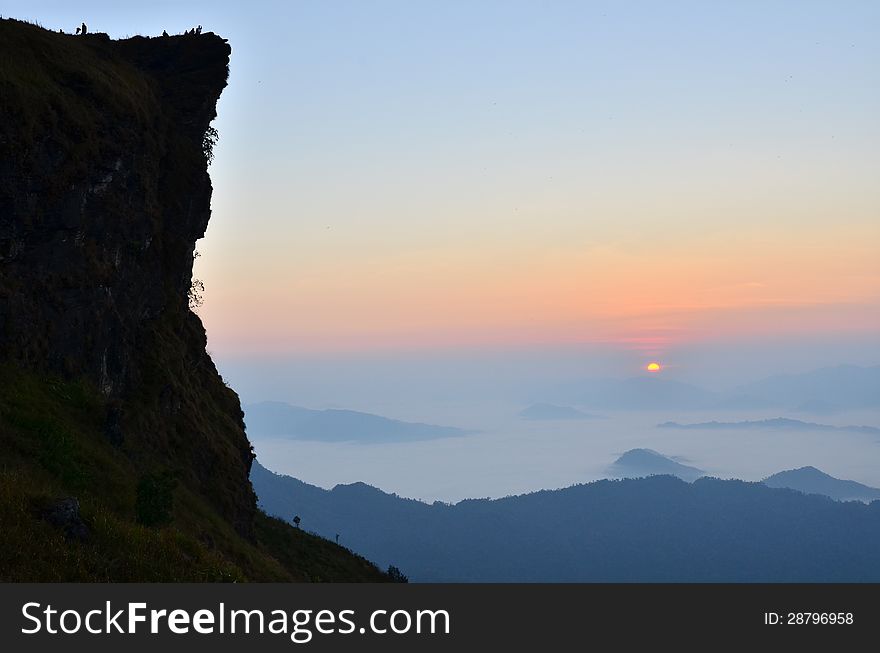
653,367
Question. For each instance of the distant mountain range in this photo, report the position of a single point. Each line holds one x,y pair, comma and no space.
553,412
826,390
640,463
810,480
650,529
776,423
637,463
278,419
645,393
823,391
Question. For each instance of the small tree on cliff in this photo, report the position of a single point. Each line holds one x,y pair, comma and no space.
195,294
209,140
196,299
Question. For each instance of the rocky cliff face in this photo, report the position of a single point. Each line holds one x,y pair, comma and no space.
104,191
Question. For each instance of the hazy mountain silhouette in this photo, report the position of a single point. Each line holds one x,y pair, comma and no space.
275,418
776,423
814,481
636,463
824,390
636,393
554,412
646,393
651,529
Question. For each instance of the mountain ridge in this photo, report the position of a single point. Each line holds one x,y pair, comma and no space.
778,423
654,529
637,463
826,389
276,418
814,481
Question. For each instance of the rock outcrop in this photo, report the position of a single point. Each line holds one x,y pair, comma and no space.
104,191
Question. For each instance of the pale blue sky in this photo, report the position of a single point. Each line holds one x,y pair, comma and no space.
364,144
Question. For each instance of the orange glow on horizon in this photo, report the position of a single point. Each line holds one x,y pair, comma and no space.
653,367
627,296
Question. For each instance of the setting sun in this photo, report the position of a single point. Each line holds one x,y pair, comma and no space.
653,367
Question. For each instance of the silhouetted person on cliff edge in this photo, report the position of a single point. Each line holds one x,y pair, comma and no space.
78,30
199,29
84,29
164,33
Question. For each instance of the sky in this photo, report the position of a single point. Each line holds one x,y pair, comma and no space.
648,178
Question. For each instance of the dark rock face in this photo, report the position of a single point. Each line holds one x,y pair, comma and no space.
104,191
100,213
64,514
113,426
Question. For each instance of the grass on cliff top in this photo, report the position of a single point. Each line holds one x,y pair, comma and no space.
41,69
52,445
48,78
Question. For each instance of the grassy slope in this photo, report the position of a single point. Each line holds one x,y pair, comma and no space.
53,446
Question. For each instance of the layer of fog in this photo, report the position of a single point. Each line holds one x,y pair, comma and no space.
512,456
485,391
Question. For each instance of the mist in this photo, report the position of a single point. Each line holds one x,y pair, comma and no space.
483,392
404,380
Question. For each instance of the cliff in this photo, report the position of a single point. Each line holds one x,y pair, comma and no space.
104,191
